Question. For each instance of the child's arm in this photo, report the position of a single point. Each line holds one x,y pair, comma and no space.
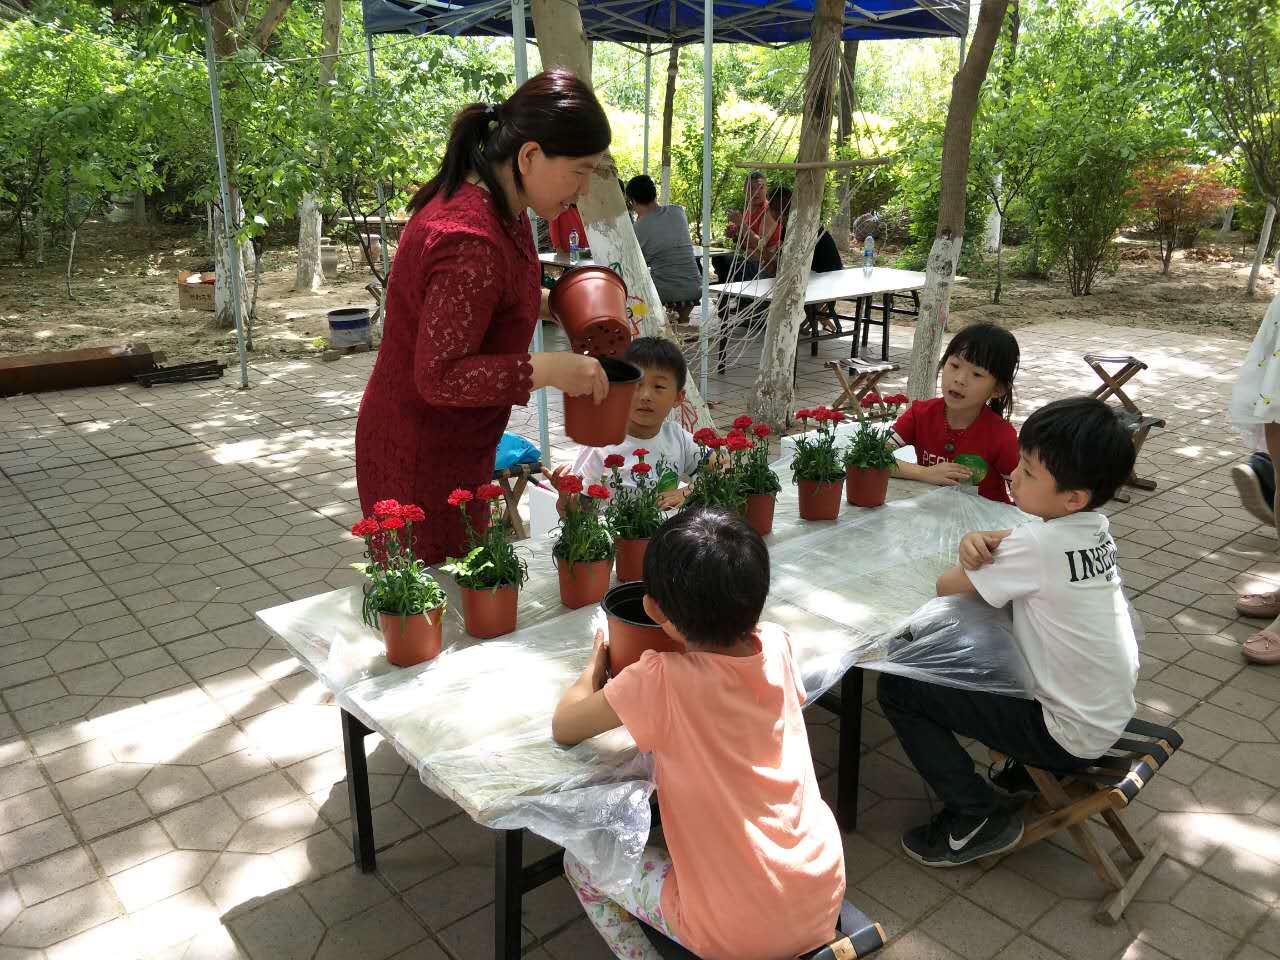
945,474
583,711
954,582
976,550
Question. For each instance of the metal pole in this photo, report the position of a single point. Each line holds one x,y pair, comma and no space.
232,254
522,74
708,16
648,84
382,200
961,51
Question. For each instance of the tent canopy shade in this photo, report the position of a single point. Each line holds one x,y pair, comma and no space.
761,22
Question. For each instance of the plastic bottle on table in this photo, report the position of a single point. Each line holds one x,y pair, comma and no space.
574,256
868,255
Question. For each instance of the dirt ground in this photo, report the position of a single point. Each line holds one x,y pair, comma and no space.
125,290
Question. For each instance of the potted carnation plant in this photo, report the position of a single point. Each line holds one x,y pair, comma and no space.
877,407
584,551
868,460
749,458
633,513
715,484
491,573
400,597
816,466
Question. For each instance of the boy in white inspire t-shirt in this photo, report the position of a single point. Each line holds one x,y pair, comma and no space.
1070,620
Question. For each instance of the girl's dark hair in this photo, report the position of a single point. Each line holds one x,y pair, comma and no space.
555,110
709,571
779,202
994,349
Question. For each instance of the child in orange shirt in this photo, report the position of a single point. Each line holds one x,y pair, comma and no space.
754,866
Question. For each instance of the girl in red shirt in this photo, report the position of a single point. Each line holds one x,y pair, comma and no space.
964,436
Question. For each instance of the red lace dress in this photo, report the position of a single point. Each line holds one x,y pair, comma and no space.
461,307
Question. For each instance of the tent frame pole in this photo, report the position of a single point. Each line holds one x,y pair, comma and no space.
382,200
228,219
708,30
648,101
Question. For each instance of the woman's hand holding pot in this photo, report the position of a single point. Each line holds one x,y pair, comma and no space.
573,373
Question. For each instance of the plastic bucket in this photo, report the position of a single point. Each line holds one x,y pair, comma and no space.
348,326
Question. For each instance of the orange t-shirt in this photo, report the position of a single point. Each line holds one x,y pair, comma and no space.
758,863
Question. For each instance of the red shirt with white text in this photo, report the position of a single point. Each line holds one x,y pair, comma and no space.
990,438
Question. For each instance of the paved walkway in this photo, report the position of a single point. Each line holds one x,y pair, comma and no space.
172,784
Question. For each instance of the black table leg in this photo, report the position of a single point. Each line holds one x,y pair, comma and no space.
508,866
888,312
353,734
848,772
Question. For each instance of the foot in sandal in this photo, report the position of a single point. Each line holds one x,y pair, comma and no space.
1263,648
1264,606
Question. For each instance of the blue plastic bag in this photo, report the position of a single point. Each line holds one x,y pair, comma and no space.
514,449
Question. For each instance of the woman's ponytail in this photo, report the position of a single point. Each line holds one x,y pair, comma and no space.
466,151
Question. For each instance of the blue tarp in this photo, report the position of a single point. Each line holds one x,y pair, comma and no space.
766,22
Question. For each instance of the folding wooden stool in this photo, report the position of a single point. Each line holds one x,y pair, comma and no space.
513,482
866,376
1109,784
1129,415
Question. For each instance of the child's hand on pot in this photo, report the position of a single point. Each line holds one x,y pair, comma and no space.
947,474
672,499
598,666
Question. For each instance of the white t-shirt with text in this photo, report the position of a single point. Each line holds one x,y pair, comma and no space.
672,443
1072,623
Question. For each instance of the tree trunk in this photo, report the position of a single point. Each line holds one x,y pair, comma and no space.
1264,241
1227,216
71,260
841,220
995,222
668,114
310,275
935,301
562,43
995,297
140,208
775,386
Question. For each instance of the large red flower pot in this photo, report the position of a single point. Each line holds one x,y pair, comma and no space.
583,583
866,488
820,501
489,613
631,632
759,512
631,559
603,424
413,638
590,304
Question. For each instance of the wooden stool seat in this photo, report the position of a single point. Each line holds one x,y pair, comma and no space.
866,376
1134,420
513,482
861,938
1110,783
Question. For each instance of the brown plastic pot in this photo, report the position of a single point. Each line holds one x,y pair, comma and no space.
866,488
411,639
583,583
590,304
630,561
759,512
606,424
489,613
631,632
820,501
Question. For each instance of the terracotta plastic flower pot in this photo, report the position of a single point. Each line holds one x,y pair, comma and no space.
489,613
820,501
759,512
631,632
583,583
866,488
631,559
606,424
411,639
590,304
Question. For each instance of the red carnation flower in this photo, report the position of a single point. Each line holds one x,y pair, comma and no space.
716,443
413,513
365,528
459,497
569,484
391,523
614,461
835,416
640,469
867,401
737,441
386,508
761,430
803,414
599,491
704,436
742,422
490,491
640,452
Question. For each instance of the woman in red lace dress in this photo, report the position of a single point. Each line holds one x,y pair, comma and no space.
463,299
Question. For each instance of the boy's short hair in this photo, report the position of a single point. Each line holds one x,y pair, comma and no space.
709,571
641,189
1083,444
658,353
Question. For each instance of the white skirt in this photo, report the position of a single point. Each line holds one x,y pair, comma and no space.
1255,399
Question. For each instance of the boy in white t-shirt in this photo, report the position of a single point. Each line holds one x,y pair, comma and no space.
1071,622
650,428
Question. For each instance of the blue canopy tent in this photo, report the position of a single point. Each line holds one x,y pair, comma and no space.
674,23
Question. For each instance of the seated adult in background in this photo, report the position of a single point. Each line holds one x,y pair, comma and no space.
663,233
563,225
826,256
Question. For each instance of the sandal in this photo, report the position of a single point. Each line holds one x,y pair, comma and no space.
1261,605
1262,648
